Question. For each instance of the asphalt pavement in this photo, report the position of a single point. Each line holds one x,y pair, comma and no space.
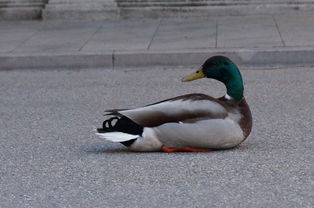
50,157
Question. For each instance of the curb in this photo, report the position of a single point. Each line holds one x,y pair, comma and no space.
267,58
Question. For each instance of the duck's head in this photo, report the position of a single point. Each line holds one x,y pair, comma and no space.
222,69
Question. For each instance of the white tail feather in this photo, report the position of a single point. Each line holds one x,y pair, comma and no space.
117,136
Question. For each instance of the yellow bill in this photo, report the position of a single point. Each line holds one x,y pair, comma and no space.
196,75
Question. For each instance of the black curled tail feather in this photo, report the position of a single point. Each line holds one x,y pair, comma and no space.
121,124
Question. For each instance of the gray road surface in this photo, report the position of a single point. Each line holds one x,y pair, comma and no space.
49,156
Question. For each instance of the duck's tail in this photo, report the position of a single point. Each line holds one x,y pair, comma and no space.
117,136
120,129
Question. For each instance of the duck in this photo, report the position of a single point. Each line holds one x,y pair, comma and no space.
192,122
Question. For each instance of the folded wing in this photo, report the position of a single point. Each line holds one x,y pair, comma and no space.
186,108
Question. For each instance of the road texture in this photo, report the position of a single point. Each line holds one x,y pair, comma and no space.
50,157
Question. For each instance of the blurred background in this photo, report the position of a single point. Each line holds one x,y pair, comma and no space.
112,9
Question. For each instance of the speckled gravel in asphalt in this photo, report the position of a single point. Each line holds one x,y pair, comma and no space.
50,156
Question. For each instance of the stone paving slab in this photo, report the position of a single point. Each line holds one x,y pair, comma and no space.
58,37
122,35
253,40
296,30
185,34
13,34
248,32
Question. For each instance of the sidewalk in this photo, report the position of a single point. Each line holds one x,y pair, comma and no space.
251,40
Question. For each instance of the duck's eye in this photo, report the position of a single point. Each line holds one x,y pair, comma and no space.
197,71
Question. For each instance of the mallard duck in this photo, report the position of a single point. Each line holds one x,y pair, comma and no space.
192,122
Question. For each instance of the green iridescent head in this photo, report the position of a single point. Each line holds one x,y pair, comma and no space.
222,69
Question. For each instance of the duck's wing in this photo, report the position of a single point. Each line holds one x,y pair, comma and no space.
186,108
